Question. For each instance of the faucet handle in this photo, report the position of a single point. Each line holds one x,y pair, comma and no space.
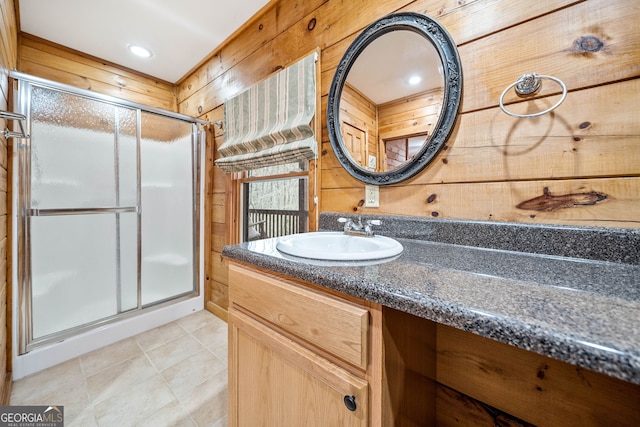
368,223
348,223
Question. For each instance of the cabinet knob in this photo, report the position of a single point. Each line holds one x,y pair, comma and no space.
350,402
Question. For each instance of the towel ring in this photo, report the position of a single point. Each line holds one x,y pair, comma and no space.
529,84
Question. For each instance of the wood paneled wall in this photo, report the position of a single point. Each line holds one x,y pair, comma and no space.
361,113
41,58
579,165
8,59
413,115
389,122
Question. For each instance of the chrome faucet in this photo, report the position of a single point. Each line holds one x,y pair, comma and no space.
357,228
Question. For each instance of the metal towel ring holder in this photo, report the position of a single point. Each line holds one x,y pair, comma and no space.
529,84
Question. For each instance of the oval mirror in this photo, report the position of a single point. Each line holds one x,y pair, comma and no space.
394,98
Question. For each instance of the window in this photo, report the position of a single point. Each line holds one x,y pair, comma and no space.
398,151
275,201
269,145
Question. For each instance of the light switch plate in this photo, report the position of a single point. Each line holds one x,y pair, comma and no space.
371,196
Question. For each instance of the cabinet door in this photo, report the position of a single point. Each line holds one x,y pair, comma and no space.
273,381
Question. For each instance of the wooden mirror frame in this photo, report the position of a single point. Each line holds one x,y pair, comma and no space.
447,50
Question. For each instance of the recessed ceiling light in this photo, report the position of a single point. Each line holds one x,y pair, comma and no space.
140,51
414,80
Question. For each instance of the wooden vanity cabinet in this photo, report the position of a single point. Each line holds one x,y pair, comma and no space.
298,356
297,350
436,375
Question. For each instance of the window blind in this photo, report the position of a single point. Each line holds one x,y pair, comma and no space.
270,123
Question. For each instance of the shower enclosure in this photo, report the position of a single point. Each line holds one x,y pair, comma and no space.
106,211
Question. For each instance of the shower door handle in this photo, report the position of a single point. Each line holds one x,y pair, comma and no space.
81,211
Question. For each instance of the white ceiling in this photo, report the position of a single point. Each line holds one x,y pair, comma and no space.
180,33
383,69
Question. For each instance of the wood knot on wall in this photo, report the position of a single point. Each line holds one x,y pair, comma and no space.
312,24
588,44
549,202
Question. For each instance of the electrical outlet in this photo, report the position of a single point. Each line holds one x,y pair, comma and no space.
371,196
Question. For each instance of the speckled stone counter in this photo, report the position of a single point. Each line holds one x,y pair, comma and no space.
581,310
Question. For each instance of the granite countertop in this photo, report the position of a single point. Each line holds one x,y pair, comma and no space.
584,311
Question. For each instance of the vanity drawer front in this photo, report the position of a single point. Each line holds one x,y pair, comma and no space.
331,324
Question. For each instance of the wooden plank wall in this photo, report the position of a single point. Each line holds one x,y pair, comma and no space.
8,59
400,118
577,166
413,115
362,113
42,58
500,168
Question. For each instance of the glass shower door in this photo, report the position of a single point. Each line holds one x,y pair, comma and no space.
82,215
106,211
167,161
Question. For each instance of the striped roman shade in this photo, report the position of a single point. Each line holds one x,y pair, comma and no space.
269,124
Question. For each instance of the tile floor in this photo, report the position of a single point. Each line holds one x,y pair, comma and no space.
174,375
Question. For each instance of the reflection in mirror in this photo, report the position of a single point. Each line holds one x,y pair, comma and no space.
391,100
394,98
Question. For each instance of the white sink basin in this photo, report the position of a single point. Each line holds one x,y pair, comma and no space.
337,246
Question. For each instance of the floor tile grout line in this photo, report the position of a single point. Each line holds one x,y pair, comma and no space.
190,330
90,405
177,399
91,399
146,354
128,386
208,348
204,348
157,372
163,342
111,363
124,388
173,392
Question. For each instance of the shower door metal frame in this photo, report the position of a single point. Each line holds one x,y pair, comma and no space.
24,212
